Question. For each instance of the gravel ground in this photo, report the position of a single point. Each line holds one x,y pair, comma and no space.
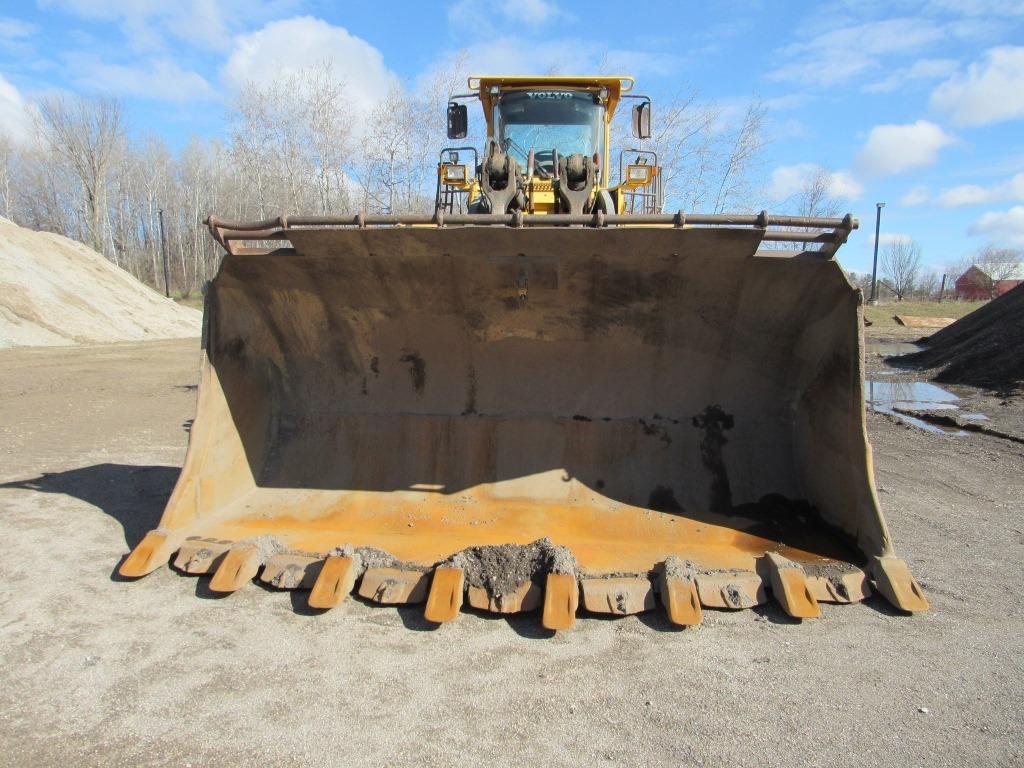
97,671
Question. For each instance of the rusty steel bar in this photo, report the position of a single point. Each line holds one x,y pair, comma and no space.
756,220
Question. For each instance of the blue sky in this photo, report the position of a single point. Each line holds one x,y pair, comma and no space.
918,104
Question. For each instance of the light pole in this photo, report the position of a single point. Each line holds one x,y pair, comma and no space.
874,265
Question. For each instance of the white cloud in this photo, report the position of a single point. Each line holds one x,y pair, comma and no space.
787,101
1006,226
979,7
917,195
198,23
790,180
159,79
15,29
920,71
536,56
284,47
535,13
972,194
14,112
990,91
891,149
841,54
965,194
886,238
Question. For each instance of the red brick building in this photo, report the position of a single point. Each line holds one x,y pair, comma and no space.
976,283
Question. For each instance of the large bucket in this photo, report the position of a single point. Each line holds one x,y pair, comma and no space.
675,415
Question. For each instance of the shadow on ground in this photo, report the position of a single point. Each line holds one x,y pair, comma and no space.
134,496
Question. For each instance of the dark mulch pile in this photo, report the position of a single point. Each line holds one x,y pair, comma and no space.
984,349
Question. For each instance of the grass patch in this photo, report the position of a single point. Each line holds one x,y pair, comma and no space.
881,315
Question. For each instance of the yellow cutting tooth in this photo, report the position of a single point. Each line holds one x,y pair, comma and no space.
290,571
682,603
239,566
897,585
561,599
732,589
526,597
336,579
621,596
790,589
445,597
200,555
149,554
393,585
847,584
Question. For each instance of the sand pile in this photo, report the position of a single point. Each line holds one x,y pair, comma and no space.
55,291
983,349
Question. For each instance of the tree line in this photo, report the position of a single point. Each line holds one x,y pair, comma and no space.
902,273
298,145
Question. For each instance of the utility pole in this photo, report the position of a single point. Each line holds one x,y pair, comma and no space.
163,250
874,265
942,289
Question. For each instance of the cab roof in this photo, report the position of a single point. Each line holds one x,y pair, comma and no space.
615,84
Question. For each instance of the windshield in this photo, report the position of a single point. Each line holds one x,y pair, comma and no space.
567,121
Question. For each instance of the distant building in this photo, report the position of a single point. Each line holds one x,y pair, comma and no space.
976,282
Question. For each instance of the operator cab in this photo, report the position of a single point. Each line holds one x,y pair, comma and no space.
547,149
566,122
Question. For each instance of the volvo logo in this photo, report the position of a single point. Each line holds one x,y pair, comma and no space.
549,94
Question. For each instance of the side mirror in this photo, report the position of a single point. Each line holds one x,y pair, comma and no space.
642,120
458,120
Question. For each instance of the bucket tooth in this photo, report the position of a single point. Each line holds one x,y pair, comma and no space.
445,598
682,603
621,596
789,587
149,554
526,597
897,585
837,585
393,585
290,571
238,567
200,555
730,589
336,579
561,599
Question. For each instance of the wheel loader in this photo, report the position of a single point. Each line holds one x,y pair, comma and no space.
545,394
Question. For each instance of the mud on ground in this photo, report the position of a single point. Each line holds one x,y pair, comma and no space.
97,671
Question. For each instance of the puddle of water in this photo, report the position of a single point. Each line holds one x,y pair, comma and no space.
892,348
920,395
887,396
974,416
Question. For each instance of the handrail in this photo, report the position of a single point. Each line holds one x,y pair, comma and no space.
226,232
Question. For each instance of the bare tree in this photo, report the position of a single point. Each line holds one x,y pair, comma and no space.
744,150
86,132
999,264
296,144
704,165
901,265
6,170
927,284
860,280
815,197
